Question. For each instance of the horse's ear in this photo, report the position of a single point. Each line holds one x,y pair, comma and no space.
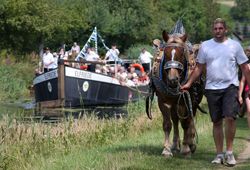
165,36
184,37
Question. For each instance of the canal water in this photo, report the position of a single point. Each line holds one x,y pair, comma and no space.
27,112
16,109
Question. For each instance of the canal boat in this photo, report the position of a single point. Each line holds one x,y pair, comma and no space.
71,85
68,86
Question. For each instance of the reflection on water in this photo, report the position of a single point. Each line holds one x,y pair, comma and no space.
14,110
27,112
100,112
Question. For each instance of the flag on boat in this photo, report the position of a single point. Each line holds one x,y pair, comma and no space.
93,37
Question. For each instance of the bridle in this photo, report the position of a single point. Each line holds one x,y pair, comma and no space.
182,67
157,83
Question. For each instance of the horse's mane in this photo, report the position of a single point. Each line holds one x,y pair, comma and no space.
175,39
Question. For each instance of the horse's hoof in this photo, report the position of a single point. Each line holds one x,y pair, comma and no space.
167,153
175,150
192,148
185,150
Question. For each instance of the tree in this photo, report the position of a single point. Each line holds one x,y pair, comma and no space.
241,11
26,25
29,23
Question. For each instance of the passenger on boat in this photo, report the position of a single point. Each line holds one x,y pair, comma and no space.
132,72
111,71
48,60
144,78
112,54
129,81
55,63
91,56
123,81
122,74
61,53
145,59
98,68
104,70
37,72
136,80
75,48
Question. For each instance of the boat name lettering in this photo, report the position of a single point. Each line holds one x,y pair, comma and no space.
82,74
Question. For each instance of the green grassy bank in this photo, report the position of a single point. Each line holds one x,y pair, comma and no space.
15,78
91,143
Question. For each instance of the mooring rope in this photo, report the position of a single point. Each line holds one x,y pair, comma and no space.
137,90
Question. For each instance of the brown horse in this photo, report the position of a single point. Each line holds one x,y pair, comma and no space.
176,106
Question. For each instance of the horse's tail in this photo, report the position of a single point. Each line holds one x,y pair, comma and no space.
148,107
201,110
149,99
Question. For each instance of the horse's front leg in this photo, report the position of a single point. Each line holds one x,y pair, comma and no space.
176,137
167,126
189,136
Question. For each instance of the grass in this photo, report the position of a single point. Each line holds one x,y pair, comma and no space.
14,80
91,143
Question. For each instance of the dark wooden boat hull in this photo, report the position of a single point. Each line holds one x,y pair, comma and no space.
71,87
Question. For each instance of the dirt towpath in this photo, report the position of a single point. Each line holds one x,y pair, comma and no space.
245,155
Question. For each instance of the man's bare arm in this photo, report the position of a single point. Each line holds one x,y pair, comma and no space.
246,71
194,75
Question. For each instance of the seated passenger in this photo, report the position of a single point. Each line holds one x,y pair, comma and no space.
98,68
136,80
111,71
144,78
104,70
122,73
132,72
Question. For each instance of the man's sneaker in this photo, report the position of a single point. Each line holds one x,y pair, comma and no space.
230,160
218,159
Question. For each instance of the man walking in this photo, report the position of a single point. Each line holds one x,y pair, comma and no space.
221,57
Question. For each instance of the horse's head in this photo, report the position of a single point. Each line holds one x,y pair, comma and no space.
174,62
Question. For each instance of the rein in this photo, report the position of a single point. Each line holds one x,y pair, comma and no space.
188,105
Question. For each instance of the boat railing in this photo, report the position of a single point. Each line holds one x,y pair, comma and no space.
108,68
64,62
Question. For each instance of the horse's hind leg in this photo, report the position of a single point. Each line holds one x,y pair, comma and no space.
167,126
